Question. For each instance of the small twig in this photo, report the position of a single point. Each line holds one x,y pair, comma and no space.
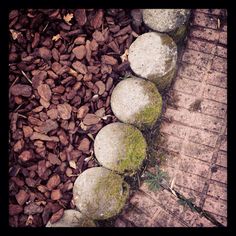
18,107
23,73
22,116
192,205
14,82
45,27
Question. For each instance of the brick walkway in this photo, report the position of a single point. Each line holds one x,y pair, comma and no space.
195,140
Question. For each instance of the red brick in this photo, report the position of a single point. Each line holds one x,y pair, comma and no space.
187,86
213,108
207,107
138,218
185,179
120,223
172,143
202,222
205,20
217,79
198,151
221,51
174,129
166,220
221,219
217,190
144,203
216,206
215,93
201,46
220,175
203,137
208,11
195,119
222,159
223,145
192,72
188,164
223,37
204,33
197,58
193,166
219,64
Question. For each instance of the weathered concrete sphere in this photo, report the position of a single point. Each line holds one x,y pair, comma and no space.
153,56
120,147
100,193
72,218
136,101
172,21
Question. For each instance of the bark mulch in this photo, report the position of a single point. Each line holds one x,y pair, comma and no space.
63,66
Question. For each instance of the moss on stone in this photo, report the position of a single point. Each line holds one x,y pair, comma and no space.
150,114
106,195
179,34
163,82
115,191
134,151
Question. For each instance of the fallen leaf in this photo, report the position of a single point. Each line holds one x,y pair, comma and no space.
72,164
90,136
56,37
124,57
83,127
29,221
67,18
15,34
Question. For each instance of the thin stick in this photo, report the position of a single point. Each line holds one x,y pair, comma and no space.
23,73
22,116
45,27
14,82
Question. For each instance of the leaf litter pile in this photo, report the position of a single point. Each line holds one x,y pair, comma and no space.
63,66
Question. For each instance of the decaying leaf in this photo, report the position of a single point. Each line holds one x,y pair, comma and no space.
124,57
91,136
15,34
72,164
68,17
56,37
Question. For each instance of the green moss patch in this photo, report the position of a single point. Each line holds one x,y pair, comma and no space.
149,115
135,151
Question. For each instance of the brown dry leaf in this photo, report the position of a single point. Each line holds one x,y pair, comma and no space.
68,17
57,216
29,221
72,164
44,92
64,111
15,34
91,119
56,37
124,57
83,127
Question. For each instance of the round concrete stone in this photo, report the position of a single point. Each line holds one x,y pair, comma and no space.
136,101
99,193
72,218
165,20
153,56
120,147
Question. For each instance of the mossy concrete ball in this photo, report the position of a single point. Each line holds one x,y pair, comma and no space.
100,193
72,218
120,147
154,56
136,101
165,20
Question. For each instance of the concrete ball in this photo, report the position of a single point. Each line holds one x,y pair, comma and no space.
136,101
100,193
120,147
